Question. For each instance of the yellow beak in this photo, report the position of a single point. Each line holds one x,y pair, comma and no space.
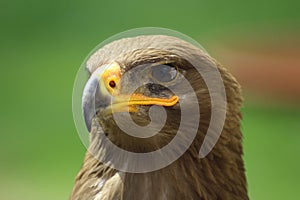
103,91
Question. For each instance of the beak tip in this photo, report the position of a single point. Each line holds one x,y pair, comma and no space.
88,117
92,98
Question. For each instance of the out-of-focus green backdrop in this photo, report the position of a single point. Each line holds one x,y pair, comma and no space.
42,45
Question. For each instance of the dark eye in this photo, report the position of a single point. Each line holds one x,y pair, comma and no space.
164,73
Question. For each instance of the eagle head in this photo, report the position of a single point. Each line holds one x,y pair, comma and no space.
143,94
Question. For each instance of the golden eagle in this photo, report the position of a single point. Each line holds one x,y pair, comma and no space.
163,60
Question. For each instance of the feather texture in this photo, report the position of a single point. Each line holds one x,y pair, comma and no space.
220,175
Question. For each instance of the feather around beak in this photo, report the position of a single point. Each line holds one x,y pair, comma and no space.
102,92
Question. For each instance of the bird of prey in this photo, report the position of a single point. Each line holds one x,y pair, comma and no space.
159,58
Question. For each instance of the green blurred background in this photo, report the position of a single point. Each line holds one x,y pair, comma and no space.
43,43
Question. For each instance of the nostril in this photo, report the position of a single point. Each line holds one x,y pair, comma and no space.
112,84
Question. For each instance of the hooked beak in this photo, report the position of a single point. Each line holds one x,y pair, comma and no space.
102,91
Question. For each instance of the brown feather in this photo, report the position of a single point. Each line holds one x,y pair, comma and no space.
220,175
